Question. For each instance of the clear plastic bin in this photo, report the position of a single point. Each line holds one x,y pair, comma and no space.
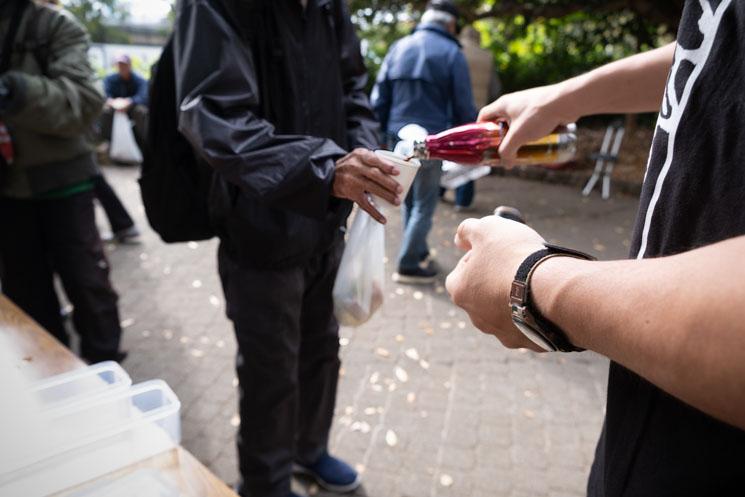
94,436
99,379
142,483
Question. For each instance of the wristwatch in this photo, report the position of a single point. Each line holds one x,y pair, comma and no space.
525,314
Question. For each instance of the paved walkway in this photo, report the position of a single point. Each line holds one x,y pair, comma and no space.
427,405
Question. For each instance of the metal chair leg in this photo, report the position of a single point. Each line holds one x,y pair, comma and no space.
599,163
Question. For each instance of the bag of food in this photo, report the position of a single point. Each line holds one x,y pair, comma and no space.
123,145
358,289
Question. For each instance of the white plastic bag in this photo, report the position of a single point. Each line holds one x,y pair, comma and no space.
123,145
358,289
455,175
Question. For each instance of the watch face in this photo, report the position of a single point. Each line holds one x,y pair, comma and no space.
533,335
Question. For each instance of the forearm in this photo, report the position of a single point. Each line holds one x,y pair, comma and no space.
290,172
69,106
631,85
218,96
64,100
677,321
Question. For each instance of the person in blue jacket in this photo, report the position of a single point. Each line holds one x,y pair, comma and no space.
424,80
126,91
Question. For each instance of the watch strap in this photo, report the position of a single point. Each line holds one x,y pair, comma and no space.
520,294
524,270
553,333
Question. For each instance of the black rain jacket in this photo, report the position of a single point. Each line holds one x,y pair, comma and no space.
271,95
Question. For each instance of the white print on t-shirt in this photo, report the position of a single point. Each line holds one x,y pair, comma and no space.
708,24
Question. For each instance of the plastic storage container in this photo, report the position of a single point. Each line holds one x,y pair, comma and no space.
142,483
99,379
94,436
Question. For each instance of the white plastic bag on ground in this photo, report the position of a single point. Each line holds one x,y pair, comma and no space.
358,290
455,175
123,145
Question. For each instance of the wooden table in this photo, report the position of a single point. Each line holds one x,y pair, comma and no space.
40,355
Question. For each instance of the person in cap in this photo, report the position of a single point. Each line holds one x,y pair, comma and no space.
126,91
486,87
424,80
48,102
271,97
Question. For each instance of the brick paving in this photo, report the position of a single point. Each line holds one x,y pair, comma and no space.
427,405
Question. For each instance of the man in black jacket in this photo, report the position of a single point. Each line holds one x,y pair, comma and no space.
271,95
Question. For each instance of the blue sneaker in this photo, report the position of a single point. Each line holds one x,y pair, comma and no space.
330,473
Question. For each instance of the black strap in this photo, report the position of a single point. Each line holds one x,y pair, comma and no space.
10,36
550,331
553,333
524,270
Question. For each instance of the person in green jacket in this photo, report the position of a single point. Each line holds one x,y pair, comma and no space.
48,101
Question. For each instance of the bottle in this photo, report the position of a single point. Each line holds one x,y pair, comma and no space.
478,144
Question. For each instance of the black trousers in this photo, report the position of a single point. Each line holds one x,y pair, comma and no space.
287,364
117,214
42,237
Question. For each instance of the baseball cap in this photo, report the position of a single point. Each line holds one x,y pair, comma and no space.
123,59
444,6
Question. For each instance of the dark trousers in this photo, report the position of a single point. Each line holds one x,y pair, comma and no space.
117,214
287,364
42,237
464,194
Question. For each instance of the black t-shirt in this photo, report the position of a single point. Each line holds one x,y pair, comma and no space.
694,195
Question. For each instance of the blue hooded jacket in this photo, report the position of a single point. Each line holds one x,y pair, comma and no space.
424,80
136,88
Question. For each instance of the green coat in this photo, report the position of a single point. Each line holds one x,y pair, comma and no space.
53,103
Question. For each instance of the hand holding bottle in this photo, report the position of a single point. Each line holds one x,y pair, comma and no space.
531,114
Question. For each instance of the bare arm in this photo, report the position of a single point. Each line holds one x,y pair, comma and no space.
677,321
631,85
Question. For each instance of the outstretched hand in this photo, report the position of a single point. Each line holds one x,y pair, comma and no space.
360,173
481,282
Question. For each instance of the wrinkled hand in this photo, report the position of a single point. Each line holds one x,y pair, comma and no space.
481,282
360,173
532,114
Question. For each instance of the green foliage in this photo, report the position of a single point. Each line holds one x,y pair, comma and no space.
549,50
100,18
534,42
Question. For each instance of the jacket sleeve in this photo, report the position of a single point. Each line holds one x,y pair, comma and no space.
362,128
464,110
140,98
217,94
108,86
382,95
63,102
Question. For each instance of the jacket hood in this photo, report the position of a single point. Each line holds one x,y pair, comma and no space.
436,28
